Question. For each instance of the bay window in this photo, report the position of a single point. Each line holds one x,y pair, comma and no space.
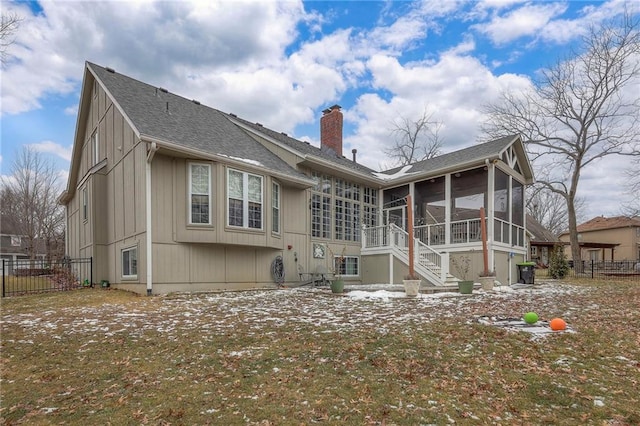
244,199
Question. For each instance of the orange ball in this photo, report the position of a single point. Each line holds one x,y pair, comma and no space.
557,324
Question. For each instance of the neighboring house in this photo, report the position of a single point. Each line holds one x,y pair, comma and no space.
608,238
167,195
15,248
541,242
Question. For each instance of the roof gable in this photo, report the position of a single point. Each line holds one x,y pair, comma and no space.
509,148
158,115
540,233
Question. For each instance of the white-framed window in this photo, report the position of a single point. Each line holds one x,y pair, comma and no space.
340,207
95,145
130,263
244,199
347,266
275,208
199,194
534,250
85,204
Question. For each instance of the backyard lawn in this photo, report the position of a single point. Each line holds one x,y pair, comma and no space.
305,356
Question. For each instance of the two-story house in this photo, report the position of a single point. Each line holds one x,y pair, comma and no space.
167,194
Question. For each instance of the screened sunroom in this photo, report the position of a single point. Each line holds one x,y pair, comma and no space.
449,196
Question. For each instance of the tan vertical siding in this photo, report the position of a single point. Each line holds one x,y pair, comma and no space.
129,194
140,162
207,263
109,131
118,132
100,205
171,263
118,200
162,200
241,264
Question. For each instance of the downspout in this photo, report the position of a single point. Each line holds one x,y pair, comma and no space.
152,150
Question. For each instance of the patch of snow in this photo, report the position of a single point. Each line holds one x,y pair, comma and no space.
244,160
404,171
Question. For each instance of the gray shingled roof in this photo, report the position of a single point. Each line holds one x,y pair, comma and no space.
186,123
478,152
539,232
306,148
172,118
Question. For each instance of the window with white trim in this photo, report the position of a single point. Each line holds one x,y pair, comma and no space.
244,199
85,204
347,266
275,208
199,194
341,207
130,263
95,146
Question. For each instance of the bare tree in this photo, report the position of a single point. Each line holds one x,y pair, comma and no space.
583,109
9,24
632,207
550,208
415,140
29,201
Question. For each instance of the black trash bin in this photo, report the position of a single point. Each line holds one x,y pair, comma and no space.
526,272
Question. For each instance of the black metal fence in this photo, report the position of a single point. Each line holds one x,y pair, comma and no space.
27,276
625,270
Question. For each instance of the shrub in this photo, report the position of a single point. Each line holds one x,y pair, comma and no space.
558,265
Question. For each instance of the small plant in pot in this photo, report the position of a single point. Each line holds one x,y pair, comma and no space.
411,284
337,284
462,265
487,278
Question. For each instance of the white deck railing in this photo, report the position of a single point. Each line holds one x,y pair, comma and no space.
432,263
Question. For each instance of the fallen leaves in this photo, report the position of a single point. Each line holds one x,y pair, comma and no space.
301,356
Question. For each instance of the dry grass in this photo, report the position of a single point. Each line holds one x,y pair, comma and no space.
303,357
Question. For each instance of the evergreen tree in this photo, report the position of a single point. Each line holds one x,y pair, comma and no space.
558,265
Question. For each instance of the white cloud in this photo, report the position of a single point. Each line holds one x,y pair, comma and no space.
525,21
53,148
154,39
454,87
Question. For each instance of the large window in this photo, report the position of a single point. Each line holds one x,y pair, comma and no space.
501,195
199,194
275,208
244,199
468,192
341,207
130,263
348,266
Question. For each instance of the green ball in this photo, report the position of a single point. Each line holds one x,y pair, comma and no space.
531,318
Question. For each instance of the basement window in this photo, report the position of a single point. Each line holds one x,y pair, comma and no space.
130,263
347,266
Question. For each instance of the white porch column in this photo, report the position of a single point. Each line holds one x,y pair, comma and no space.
447,208
491,187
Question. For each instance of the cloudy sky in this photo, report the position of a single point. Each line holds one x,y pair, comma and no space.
282,63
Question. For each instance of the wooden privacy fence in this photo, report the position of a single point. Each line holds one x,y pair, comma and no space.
28,276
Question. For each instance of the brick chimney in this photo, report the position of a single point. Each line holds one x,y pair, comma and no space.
331,130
